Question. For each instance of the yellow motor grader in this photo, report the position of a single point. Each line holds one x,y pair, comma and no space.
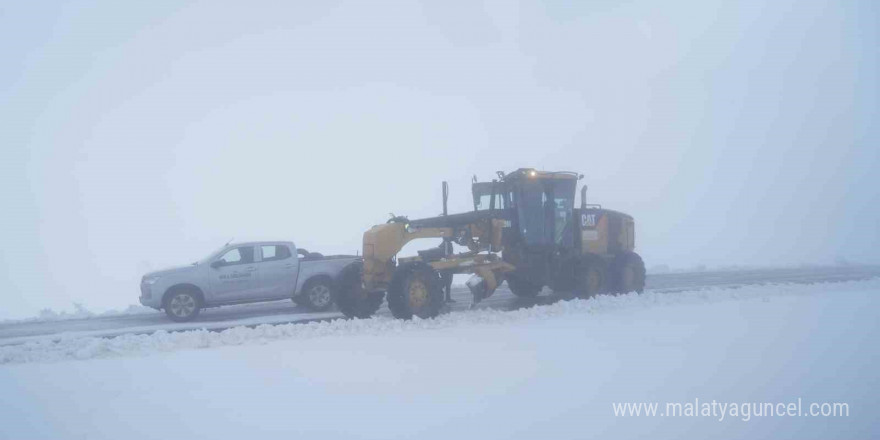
524,230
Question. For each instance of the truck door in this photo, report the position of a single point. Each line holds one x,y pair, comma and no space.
234,275
278,270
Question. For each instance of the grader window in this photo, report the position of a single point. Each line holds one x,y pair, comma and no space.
483,196
530,200
483,203
563,200
545,211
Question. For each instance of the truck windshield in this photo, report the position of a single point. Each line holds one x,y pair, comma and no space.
211,255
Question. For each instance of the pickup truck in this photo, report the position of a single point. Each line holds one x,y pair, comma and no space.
243,273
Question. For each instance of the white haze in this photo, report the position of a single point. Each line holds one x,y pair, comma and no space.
137,135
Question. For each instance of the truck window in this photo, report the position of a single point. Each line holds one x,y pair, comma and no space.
239,255
274,252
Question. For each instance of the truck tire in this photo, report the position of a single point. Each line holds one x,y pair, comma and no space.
317,295
183,304
415,290
628,273
351,298
591,278
522,288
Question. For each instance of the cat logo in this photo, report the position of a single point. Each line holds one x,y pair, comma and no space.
588,220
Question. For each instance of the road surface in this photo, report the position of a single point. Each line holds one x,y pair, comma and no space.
279,312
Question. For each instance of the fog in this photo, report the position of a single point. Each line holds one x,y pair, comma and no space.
142,135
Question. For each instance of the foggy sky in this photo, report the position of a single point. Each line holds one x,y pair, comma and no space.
139,135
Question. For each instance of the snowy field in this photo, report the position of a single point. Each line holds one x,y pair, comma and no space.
550,371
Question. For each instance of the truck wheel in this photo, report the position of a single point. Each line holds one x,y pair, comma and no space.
522,288
318,295
590,279
183,305
351,298
415,290
628,273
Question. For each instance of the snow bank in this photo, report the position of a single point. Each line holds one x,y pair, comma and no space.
79,312
163,341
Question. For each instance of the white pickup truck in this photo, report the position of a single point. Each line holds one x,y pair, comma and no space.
243,273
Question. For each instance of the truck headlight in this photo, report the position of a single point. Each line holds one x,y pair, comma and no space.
150,280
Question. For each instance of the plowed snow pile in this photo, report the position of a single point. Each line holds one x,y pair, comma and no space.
545,372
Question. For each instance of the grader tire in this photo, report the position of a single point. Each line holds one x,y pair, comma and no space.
522,288
591,278
351,298
415,290
628,273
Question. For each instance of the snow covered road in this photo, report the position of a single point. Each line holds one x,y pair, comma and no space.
551,371
286,312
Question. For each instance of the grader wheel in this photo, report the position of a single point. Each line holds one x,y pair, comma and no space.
415,290
590,279
351,298
628,273
522,287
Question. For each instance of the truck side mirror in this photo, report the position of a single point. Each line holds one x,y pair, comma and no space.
216,264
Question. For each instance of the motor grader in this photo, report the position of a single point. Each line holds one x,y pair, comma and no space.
524,230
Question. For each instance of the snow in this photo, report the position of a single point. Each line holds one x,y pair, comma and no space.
117,334
544,372
80,312
81,345
144,321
